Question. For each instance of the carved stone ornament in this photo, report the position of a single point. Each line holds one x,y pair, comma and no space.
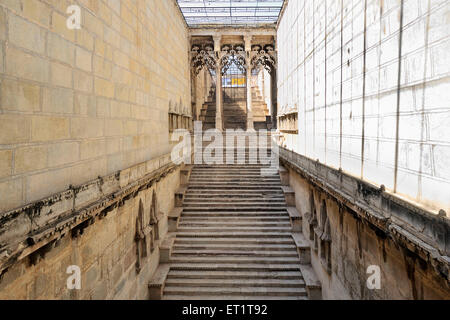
203,56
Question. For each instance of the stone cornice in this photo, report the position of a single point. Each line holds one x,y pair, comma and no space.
419,231
175,3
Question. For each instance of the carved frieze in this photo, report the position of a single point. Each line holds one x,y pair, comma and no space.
142,237
260,56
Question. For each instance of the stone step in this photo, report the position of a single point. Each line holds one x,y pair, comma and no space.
222,234
234,197
256,174
231,219
259,183
255,177
240,208
234,236
287,275
186,240
234,160
240,144
254,181
234,200
234,204
235,193
233,165
201,190
204,214
233,229
233,283
242,247
248,167
233,253
197,223
250,291
237,123
247,186
227,173
231,168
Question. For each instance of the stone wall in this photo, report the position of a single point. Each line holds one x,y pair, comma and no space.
202,90
112,233
85,173
79,104
370,81
352,226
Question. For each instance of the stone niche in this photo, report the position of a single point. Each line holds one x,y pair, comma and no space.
147,230
179,117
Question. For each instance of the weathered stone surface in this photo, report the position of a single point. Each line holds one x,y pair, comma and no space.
383,233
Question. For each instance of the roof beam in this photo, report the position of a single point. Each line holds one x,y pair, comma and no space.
227,31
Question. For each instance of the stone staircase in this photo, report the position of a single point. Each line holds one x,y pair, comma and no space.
234,238
235,112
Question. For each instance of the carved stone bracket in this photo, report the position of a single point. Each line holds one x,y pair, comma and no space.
263,57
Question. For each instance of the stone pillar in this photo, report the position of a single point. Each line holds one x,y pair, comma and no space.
263,81
219,124
219,118
248,49
205,83
249,98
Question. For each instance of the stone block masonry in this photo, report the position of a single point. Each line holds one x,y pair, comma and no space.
353,226
84,138
78,104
